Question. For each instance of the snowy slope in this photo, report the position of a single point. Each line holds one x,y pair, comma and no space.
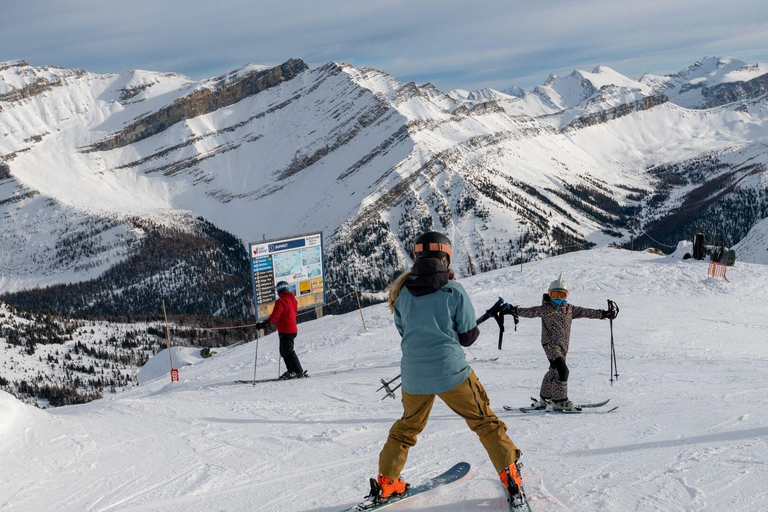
754,247
690,432
53,361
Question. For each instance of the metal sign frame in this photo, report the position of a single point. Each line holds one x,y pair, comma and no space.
254,272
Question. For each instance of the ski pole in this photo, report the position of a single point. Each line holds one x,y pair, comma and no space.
491,313
614,308
391,392
385,385
256,358
495,313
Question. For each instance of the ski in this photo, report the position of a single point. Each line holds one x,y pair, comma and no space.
512,508
454,474
278,379
522,503
260,381
530,410
489,360
579,408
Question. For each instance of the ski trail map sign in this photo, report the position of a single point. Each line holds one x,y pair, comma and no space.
298,261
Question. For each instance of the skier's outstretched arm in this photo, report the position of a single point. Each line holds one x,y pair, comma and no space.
595,314
534,312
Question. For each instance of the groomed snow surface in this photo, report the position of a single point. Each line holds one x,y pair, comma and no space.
691,431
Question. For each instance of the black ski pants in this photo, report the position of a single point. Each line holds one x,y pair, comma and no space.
287,353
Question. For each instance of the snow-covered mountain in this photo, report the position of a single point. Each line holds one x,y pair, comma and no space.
142,185
754,247
710,82
689,432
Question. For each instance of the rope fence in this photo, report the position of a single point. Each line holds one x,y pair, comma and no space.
246,326
656,241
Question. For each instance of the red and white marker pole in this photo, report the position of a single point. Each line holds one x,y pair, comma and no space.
174,371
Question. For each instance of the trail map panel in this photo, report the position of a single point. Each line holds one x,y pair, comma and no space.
297,260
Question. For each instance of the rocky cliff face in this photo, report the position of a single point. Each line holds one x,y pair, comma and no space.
737,91
603,116
201,102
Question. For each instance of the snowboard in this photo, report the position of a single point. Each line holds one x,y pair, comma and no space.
454,474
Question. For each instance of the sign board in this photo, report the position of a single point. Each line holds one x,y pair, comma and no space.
174,375
298,261
717,270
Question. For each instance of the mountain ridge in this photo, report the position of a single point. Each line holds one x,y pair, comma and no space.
368,159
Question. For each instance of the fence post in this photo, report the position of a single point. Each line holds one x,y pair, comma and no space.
174,373
361,309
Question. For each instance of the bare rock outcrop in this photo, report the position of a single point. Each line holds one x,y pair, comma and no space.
202,101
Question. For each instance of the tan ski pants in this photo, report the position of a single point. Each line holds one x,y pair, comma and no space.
470,401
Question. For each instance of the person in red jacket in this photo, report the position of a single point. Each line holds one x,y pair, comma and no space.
284,318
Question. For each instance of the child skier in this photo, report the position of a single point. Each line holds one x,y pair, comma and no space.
284,317
556,317
435,319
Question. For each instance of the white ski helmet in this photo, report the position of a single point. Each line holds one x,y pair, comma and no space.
559,284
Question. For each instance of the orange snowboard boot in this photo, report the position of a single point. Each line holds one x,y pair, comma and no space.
391,487
510,479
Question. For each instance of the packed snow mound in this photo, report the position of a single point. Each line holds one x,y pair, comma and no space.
683,247
159,365
15,415
753,248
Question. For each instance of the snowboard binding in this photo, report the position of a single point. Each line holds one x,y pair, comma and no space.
514,485
375,499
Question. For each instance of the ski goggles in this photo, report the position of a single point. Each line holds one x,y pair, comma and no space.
558,294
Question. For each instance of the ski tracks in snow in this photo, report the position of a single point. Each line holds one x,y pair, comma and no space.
690,433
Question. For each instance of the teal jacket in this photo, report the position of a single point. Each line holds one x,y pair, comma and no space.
435,318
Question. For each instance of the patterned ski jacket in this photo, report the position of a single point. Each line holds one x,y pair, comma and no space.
556,324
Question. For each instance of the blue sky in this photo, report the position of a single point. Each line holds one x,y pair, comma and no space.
453,44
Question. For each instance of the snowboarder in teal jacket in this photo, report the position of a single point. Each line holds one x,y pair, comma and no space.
435,318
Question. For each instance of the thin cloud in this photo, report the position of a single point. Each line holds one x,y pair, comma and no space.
453,44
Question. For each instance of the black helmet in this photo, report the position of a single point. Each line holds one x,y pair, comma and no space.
282,286
432,245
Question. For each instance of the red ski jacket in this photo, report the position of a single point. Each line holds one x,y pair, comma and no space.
284,314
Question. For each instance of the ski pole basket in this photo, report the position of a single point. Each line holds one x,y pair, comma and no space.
390,392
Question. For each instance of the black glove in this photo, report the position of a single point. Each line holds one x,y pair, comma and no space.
263,324
496,308
605,313
509,309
